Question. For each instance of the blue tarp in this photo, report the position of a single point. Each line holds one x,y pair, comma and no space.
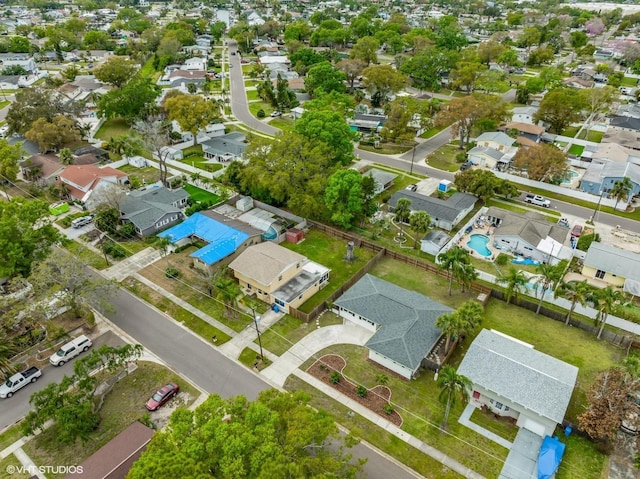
550,456
222,239
525,261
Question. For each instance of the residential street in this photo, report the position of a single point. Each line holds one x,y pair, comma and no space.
204,365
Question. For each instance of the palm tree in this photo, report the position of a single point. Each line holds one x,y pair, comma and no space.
420,222
606,300
7,351
515,282
452,261
227,291
452,385
471,315
66,156
402,211
549,276
466,274
450,324
621,190
576,292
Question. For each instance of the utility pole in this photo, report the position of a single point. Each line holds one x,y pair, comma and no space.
255,322
413,155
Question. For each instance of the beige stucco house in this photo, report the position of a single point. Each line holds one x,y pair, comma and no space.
614,266
277,275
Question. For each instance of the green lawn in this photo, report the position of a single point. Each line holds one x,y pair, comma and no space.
256,106
576,150
503,427
198,194
122,406
149,174
249,358
571,131
252,95
445,158
286,124
4,104
329,252
12,461
511,205
10,436
431,132
111,128
250,83
628,81
289,330
385,148
85,255
595,136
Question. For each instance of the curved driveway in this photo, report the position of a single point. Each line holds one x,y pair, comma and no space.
311,344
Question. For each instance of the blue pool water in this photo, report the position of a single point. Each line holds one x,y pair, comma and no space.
478,243
572,176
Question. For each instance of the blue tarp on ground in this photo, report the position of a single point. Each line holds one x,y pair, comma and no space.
525,261
223,240
550,456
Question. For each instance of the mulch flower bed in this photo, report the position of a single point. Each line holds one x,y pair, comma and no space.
376,398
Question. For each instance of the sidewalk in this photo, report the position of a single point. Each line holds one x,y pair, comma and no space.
246,338
132,264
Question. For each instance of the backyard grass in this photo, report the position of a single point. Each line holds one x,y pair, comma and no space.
571,131
445,158
595,136
576,150
628,81
361,427
581,459
190,320
122,406
198,194
147,175
111,128
329,252
289,330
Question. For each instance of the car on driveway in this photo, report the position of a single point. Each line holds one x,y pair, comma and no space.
162,396
576,232
412,187
466,165
275,114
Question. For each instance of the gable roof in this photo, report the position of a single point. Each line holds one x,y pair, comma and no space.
447,210
145,208
486,151
265,262
531,226
515,371
496,137
84,175
625,264
625,122
524,127
406,319
381,177
231,143
222,239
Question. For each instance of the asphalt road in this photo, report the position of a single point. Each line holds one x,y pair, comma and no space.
201,363
16,407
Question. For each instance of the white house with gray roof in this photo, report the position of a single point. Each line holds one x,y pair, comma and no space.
445,214
512,379
153,209
404,322
383,180
225,148
614,266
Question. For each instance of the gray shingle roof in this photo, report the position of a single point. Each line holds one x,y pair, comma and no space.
231,143
531,226
519,373
613,260
486,150
447,210
145,208
497,137
437,237
381,177
406,319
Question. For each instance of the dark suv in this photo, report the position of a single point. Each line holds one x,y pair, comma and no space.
466,165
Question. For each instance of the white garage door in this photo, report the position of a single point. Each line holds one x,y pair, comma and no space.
533,426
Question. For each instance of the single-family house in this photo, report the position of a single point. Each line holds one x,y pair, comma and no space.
527,133
613,152
367,122
404,322
115,458
44,169
181,78
445,214
225,238
524,114
614,266
153,209
624,123
195,63
225,148
600,178
485,156
434,241
87,183
497,140
26,62
529,235
383,180
278,275
510,378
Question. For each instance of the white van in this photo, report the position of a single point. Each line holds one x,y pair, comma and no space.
70,350
80,222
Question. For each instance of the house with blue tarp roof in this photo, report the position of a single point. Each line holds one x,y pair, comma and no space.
225,237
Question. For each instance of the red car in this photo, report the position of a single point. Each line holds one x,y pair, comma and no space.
162,396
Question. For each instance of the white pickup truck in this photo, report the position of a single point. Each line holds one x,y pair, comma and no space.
537,200
18,381
70,350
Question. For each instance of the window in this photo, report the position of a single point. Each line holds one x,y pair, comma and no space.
498,405
476,394
600,274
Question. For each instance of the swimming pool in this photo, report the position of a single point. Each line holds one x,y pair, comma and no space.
572,176
479,243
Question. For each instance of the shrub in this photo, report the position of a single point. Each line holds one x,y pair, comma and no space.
362,391
171,272
388,408
127,231
461,157
585,241
502,259
114,250
90,318
382,379
261,114
335,377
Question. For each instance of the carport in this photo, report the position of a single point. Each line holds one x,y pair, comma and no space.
522,461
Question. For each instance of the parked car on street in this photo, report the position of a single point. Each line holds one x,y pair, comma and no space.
18,381
70,350
537,200
162,396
